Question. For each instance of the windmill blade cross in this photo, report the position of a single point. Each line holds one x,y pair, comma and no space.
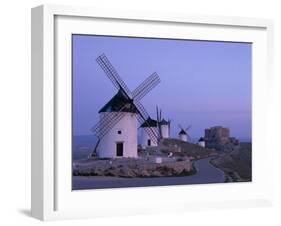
104,126
112,74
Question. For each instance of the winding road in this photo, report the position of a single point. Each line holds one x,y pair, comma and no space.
206,173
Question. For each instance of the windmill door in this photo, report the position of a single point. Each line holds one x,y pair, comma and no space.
148,142
119,149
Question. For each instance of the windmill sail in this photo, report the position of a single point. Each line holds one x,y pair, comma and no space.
159,119
106,124
103,127
146,86
112,74
143,119
184,131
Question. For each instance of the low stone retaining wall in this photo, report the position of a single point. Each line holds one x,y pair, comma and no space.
133,168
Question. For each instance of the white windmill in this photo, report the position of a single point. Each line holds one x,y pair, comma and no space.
146,140
183,135
117,128
163,125
159,126
201,142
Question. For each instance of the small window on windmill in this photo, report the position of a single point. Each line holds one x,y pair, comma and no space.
119,132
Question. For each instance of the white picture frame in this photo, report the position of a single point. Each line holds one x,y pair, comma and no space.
52,197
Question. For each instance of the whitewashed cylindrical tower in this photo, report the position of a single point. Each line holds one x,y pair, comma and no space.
146,140
201,142
165,128
120,140
183,135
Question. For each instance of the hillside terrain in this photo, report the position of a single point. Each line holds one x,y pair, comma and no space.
180,149
237,164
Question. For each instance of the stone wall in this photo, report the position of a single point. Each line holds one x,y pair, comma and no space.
218,137
217,134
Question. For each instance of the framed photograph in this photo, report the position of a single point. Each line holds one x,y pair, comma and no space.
137,112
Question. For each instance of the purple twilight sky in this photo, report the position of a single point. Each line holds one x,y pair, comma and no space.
203,83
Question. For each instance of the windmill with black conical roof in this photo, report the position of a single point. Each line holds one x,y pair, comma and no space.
117,128
146,140
201,142
183,134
